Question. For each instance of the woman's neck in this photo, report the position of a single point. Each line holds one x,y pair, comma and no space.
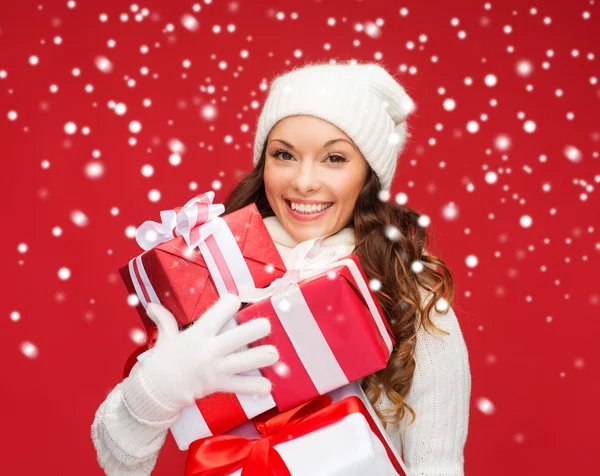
285,243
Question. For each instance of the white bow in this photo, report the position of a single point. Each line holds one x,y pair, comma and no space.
180,221
305,260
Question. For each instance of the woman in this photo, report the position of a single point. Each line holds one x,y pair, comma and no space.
325,154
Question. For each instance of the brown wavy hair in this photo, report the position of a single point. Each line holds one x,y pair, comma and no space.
389,261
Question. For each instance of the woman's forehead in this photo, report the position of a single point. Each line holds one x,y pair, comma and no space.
308,131
297,125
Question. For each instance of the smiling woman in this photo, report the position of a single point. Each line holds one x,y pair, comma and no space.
325,153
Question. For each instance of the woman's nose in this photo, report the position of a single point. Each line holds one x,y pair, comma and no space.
307,179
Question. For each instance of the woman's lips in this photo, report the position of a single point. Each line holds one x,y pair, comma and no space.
306,217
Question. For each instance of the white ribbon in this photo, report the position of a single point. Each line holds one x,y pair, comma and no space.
306,260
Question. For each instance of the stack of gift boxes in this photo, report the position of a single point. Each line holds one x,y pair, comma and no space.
326,324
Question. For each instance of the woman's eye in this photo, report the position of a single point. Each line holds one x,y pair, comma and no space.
336,159
281,153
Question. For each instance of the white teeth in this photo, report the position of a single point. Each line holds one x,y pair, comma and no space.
308,209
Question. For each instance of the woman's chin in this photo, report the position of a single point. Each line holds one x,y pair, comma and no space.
307,232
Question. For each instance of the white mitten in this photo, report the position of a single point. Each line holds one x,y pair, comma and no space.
187,365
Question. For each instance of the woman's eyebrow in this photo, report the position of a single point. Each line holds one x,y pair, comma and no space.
327,144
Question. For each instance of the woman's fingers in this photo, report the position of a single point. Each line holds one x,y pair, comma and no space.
242,335
216,316
246,384
164,320
250,359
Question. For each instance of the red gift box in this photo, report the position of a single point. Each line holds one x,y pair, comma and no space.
179,272
340,433
329,330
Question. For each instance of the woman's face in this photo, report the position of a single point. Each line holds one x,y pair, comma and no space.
313,176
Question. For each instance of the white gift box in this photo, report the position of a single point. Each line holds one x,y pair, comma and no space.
347,447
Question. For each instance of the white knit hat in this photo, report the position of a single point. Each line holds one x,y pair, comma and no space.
363,100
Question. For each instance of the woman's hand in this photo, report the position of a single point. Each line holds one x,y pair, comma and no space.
184,366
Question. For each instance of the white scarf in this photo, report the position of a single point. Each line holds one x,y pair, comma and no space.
285,243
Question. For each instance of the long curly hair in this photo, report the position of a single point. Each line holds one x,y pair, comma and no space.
388,240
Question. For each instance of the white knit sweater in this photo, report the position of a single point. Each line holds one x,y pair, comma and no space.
128,434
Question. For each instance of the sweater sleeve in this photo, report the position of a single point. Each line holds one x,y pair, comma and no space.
126,435
434,444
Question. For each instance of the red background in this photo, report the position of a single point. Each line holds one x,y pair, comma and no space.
529,309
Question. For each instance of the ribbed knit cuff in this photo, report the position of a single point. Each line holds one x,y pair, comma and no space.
143,401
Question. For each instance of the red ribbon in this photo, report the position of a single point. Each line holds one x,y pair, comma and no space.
223,454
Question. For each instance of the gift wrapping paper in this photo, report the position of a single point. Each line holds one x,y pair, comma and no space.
188,272
329,330
334,435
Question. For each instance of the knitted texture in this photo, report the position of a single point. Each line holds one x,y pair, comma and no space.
439,395
128,445
363,100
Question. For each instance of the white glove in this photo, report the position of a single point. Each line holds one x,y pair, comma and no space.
187,365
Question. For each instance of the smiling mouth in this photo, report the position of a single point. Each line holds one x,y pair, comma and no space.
308,210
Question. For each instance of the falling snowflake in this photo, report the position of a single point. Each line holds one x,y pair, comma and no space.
79,218
485,406
29,350
103,64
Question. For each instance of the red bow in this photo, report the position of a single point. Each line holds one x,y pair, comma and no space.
223,454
